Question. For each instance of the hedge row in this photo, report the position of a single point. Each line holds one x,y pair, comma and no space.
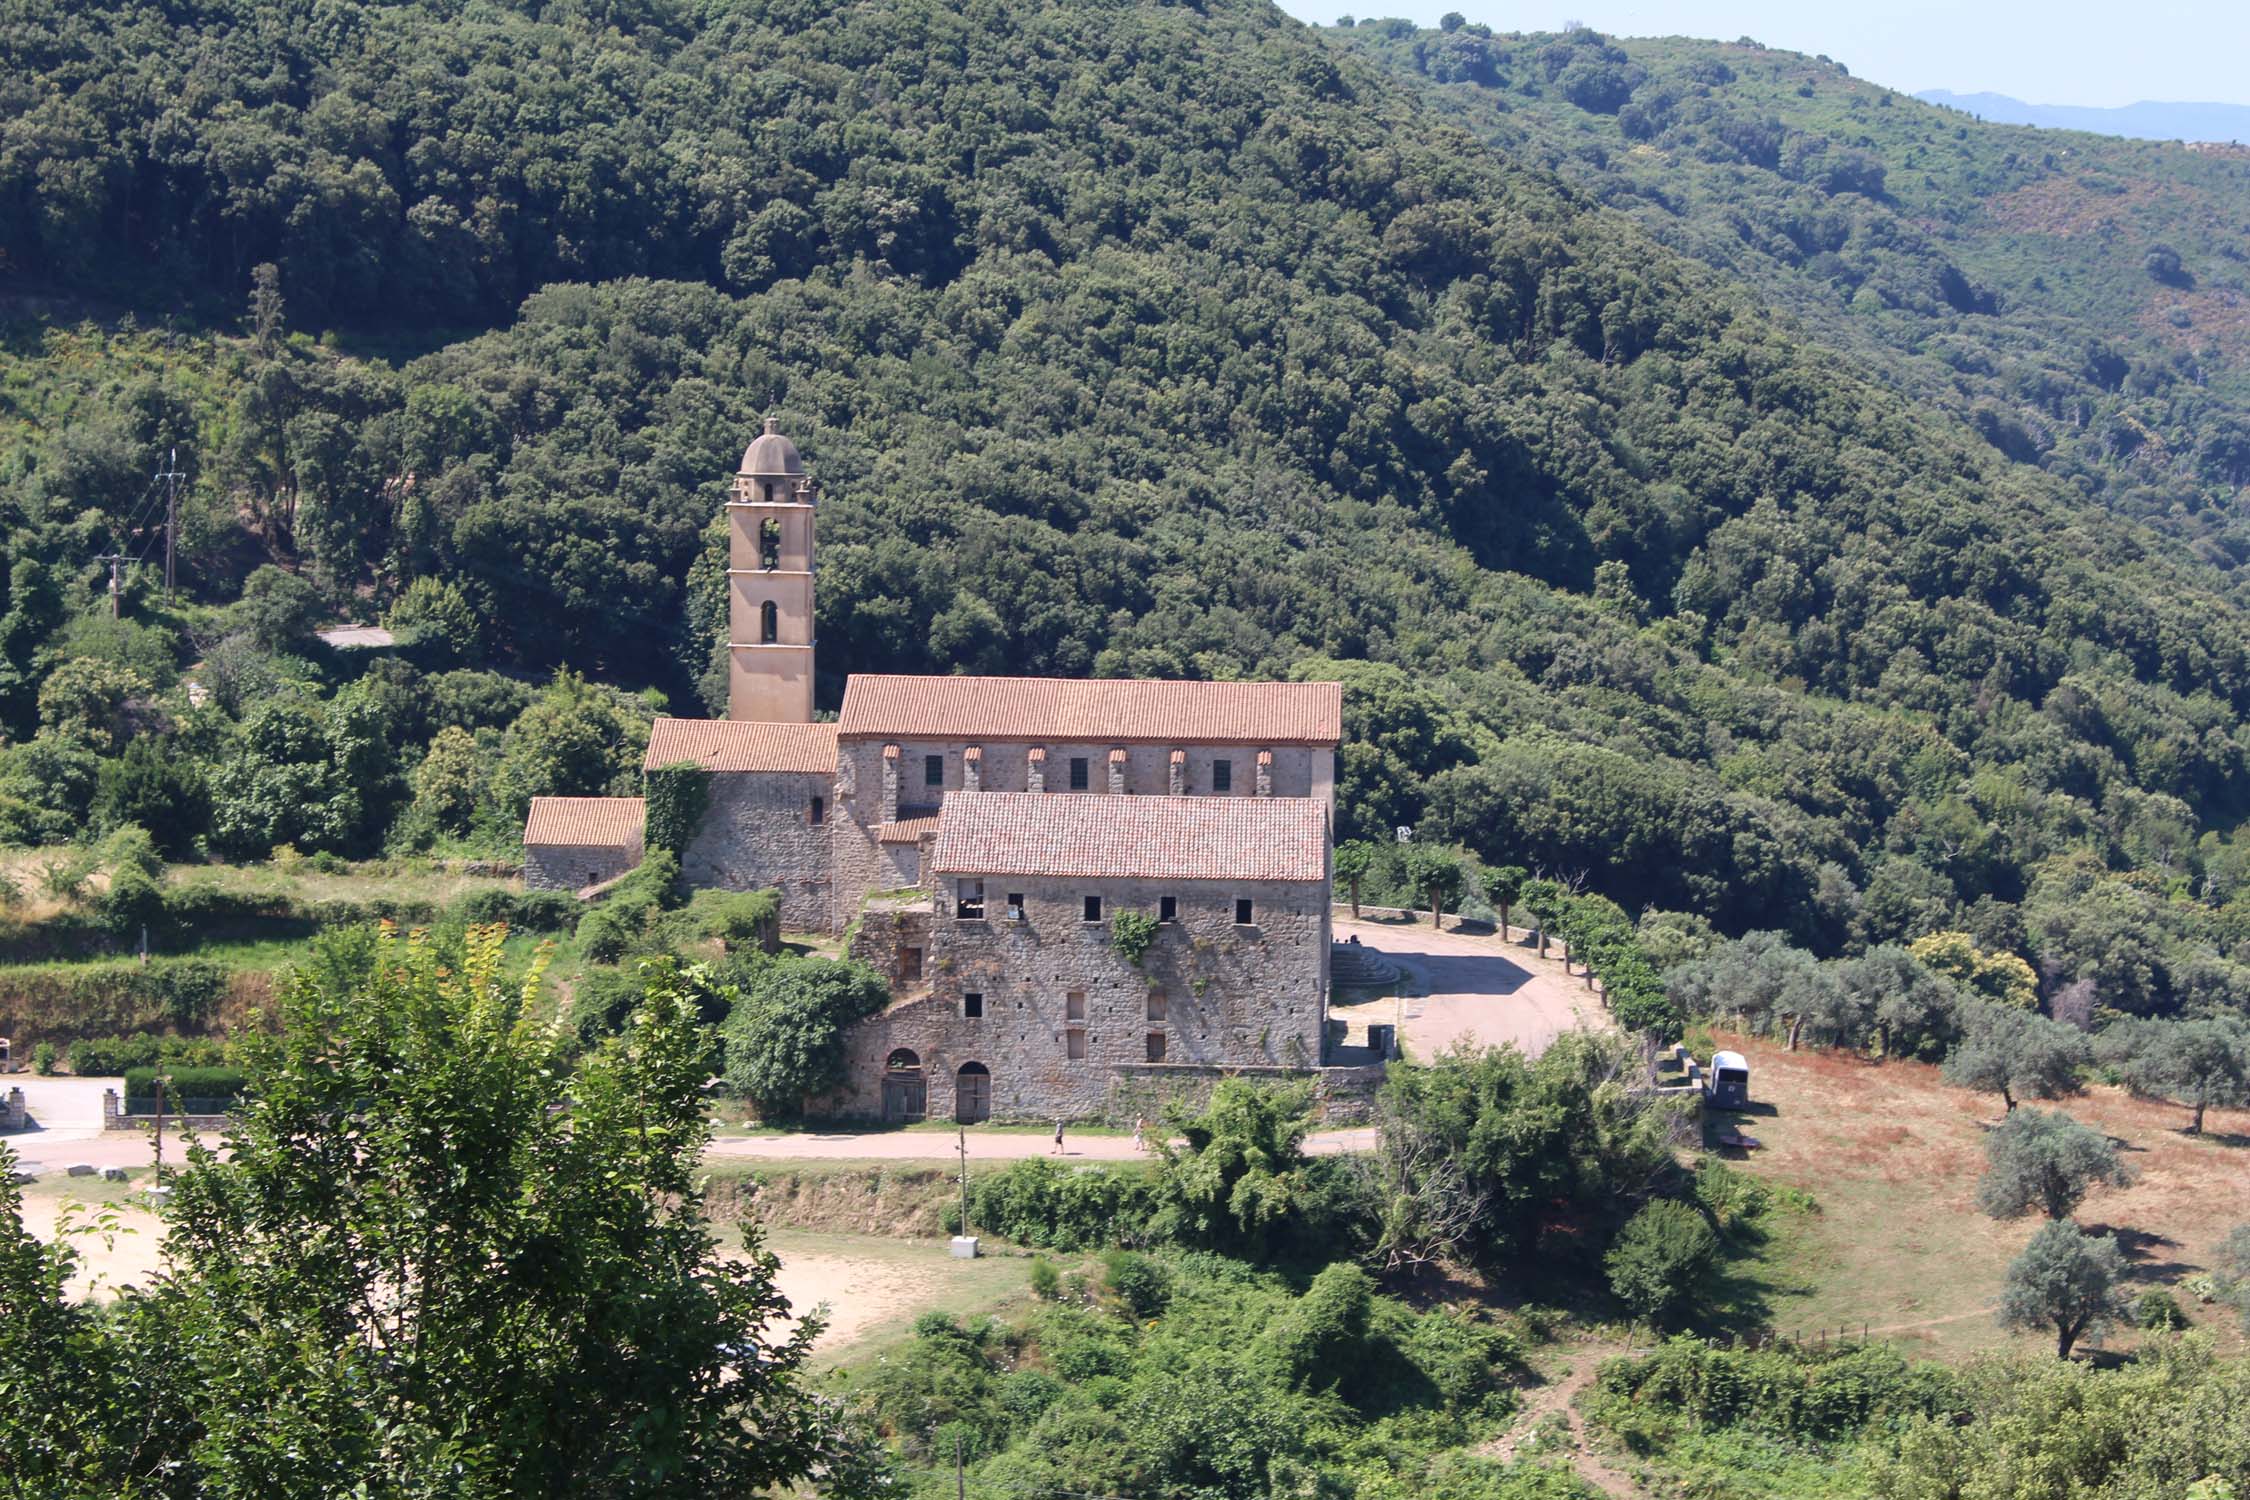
109,1056
201,1091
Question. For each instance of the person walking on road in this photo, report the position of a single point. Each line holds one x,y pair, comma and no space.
1140,1130
1058,1137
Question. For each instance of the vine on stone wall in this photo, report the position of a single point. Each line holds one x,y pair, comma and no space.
1130,933
678,795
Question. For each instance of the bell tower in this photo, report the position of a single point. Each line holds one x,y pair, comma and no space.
770,585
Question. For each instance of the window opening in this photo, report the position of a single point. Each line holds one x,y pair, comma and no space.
1242,911
968,900
1093,908
1222,776
972,1004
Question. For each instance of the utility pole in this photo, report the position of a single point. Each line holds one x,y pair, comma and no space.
962,1145
171,477
114,559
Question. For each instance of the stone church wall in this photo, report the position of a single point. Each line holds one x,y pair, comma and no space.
758,834
1232,997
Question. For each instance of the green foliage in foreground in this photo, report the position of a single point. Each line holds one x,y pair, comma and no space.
1659,1259
1191,1375
436,1261
785,1033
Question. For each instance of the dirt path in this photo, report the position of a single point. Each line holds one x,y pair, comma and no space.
984,1145
1560,1398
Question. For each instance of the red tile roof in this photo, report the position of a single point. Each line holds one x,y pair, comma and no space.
905,830
1130,710
1178,838
601,822
728,745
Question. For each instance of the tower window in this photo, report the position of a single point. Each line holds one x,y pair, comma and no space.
1078,777
769,544
1222,776
769,623
933,770
1093,908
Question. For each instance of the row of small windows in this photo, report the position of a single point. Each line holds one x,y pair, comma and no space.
968,906
1074,1009
1081,769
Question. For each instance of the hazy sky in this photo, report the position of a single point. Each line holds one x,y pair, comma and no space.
2095,52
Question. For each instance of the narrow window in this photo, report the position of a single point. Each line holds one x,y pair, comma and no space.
817,814
933,770
1074,1006
1093,908
1074,1044
1078,774
769,623
1156,1046
769,545
1015,906
909,964
1243,915
968,902
1167,908
972,1004
1156,1006
1222,776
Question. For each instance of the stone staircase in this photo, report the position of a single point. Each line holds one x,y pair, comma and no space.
1360,967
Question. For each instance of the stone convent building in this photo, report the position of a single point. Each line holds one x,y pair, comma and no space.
979,836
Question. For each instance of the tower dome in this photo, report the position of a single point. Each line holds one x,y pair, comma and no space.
771,453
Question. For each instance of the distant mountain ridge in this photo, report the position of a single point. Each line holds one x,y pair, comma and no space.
2145,121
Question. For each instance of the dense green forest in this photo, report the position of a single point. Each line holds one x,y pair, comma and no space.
1124,338
2077,299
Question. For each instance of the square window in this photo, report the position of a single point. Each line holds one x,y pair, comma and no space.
1074,1044
933,770
1015,906
817,813
1243,913
1156,1046
1074,1006
1222,776
1156,1005
1093,908
972,1004
1167,908
968,900
1078,773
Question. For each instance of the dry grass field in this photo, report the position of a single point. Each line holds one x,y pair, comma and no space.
1892,1154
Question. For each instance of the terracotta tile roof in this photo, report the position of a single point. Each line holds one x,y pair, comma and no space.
1131,710
905,830
726,745
602,822
1179,838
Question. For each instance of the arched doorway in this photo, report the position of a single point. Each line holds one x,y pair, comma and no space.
905,1096
972,1094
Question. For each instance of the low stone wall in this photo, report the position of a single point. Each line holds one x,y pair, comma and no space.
13,1115
115,1118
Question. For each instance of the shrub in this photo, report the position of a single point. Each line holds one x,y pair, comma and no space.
187,1089
1039,1202
1138,1282
744,919
43,1059
2156,1308
785,1037
110,1056
133,904
1660,1258
1046,1281
525,911
60,1001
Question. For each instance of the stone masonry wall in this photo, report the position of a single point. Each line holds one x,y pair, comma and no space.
758,834
1232,997
863,865
573,867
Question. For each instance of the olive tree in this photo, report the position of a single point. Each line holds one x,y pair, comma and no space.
2013,1052
2043,1159
2065,1280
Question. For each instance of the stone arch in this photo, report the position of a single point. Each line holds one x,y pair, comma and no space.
972,1093
905,1091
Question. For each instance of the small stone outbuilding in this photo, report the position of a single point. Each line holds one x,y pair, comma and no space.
570,843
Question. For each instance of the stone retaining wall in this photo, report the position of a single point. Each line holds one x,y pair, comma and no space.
115,1118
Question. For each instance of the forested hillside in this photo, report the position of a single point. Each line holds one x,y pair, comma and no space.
1124,338
2082,301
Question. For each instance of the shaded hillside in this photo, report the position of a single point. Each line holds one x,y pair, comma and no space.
2082,301
1125,338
